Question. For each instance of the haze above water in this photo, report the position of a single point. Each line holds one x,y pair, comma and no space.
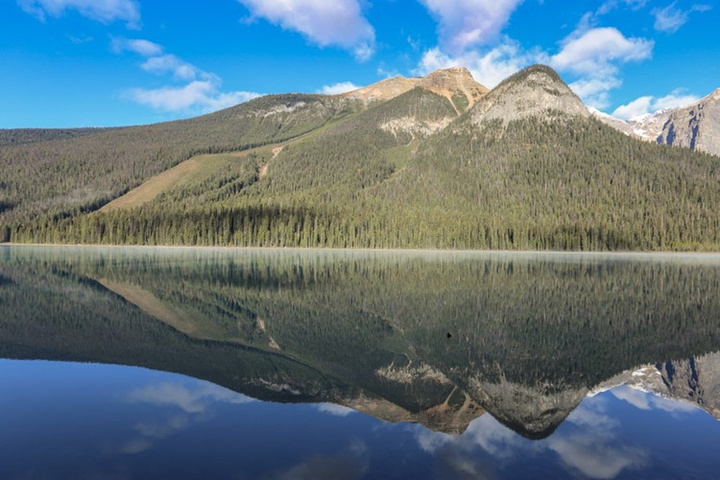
336,364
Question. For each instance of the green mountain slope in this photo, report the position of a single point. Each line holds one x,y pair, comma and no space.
523,168
63,178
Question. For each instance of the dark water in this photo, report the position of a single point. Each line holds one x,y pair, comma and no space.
181,363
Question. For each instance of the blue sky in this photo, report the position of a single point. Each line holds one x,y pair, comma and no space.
73,63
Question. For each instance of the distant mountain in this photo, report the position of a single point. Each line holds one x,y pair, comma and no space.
696,127
432,162
693,380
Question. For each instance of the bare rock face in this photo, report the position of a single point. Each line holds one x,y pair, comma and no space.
536,91
533,412
456,84
696,127
694,380
649,127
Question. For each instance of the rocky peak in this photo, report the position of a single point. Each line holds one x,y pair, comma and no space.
534,91
452,83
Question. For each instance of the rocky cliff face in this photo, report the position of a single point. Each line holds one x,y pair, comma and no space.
533,412
696,127
536,91
693,380
456,84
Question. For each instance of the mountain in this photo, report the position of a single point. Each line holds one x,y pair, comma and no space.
433,162
456,84
694,381
536,92
696,127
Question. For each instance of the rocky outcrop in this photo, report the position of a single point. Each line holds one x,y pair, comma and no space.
536,91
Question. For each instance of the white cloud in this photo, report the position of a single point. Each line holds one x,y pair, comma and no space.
338,22
595,91
670,19
650,104
639,106
336,410
489,67
199,94
650,401
104,11
146,48
596,455
338,88
600,49
467,23
171,64
189,400
595,55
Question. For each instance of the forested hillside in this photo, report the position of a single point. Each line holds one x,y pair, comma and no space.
525,168
63,178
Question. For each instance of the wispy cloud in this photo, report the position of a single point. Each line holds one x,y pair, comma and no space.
650,104
671,18
325,23
468,23
103,11
189,400
139,46
198,91
336,410
596,455
204,95
595,56
338,88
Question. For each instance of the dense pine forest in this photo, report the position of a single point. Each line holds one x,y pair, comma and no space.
329,172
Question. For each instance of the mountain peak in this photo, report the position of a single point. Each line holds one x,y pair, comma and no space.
534,73
452,83
535,91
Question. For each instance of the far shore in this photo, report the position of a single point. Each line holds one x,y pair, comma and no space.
650,253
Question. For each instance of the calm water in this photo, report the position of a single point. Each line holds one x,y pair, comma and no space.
182,363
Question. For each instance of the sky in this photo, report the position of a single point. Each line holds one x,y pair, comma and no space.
80,63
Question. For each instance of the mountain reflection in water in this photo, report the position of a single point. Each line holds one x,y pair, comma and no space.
535,340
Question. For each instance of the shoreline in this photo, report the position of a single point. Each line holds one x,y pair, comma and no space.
650,253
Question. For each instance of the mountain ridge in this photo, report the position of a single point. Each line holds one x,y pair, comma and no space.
523,167
695,126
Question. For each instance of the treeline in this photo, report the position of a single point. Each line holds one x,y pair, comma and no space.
31,135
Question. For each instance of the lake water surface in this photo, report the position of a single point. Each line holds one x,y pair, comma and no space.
157,363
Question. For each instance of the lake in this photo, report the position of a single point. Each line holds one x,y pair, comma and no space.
158,363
